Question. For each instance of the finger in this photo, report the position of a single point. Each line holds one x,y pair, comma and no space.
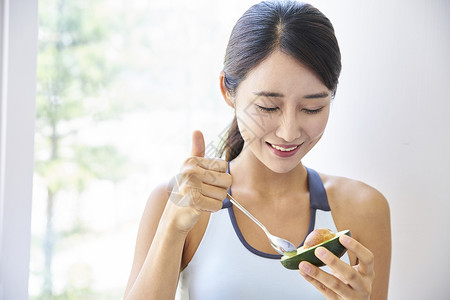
194,176
214,192
218,179
329,282
215,164
205,203
198,144
194,173
328,293
345,271
200,196
364,255
338,276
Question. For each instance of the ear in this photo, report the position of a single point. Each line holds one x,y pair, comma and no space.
225,93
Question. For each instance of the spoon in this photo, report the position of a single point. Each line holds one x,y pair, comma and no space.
279,244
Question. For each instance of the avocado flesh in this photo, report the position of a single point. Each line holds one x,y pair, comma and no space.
292,260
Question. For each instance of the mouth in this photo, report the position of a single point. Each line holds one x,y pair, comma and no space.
283,150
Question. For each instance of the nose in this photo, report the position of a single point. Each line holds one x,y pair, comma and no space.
289,129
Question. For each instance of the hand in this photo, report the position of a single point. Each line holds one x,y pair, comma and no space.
346,282
201,186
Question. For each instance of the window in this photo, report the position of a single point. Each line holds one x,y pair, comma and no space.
121,87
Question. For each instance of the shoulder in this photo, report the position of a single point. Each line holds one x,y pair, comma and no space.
344,192
161,192
356,204
154,208
157,199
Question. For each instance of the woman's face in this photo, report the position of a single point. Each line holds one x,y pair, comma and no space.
282,110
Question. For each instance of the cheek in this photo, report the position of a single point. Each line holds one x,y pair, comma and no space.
247,128
316,129
254,125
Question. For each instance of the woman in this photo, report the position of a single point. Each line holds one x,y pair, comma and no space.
280,74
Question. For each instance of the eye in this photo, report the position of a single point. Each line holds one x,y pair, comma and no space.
266,109
312,111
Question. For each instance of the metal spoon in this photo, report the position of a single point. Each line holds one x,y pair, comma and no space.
279,244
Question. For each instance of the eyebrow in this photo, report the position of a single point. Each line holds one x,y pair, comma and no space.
279,95
318,95
269,94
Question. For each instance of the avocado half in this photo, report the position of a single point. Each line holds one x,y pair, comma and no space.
291,261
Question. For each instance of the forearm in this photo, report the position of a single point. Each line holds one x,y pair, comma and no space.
159,274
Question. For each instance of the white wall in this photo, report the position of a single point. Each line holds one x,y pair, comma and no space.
390,127
18,47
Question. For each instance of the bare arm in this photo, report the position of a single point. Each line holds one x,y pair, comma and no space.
168,217
158,252
375,228
364,211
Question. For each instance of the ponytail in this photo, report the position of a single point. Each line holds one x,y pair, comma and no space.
232,143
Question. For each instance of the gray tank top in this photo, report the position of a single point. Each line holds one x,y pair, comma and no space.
226,267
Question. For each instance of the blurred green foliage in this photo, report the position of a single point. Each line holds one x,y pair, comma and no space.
148,64
74,73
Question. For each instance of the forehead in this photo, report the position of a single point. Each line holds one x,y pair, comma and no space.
280,72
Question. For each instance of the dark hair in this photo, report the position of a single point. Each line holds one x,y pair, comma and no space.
297,29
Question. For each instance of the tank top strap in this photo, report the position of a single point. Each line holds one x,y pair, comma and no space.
226,202
317,193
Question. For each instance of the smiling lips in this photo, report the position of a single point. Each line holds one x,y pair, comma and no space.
284,150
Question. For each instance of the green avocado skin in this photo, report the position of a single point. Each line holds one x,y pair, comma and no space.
308,255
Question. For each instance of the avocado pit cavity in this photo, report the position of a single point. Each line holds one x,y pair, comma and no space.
318,236
321,237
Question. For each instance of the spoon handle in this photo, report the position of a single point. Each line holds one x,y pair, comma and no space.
232,200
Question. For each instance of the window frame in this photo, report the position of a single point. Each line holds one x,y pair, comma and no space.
18,62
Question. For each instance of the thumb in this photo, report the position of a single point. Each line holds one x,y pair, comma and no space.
198,144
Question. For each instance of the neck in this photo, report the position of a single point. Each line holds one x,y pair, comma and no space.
252,176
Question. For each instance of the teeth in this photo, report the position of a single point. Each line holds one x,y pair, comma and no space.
284,149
